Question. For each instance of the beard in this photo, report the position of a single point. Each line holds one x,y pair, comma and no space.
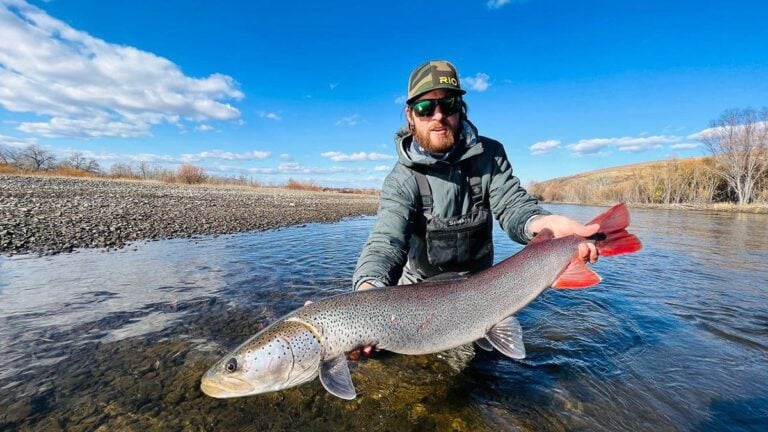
441,144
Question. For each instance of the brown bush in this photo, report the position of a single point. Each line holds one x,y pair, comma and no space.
190,174
305,185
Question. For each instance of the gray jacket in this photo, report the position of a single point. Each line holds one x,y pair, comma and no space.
394,248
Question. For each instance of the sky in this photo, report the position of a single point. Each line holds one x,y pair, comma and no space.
314,91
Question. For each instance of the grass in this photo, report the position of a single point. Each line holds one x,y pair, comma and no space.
189,177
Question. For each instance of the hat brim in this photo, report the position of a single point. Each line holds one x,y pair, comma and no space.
447,87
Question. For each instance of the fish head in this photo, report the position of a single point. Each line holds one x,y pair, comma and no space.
283,355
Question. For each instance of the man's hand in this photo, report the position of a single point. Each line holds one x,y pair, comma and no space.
364,351
366,286
562,226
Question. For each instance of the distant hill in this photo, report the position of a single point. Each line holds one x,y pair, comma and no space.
673,181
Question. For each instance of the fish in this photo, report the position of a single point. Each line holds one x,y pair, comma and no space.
423,318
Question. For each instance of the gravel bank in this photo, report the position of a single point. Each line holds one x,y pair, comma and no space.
50,215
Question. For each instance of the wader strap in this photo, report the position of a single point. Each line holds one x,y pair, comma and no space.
475,185
426,193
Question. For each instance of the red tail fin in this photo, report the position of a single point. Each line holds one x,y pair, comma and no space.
613,238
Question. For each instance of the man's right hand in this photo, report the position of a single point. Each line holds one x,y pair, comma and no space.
363,351
366,286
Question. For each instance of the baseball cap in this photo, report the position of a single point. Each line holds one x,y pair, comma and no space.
436,74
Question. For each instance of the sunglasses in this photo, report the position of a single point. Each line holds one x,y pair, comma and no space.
426,107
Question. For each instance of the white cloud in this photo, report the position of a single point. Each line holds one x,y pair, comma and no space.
685,146
625,144
480,82
204,128
400,100
348,120
219,154
95,126
496,4
382,168
718,131
285,157
91,88
543,147
359,156
296,168
270,115
17,142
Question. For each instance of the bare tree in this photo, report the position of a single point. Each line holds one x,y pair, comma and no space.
121,170
739,142
37,158
8,155
144,169
78,161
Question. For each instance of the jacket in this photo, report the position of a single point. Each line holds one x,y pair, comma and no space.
395,247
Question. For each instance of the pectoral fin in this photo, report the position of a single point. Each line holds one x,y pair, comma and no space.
334,374
484,344
507,337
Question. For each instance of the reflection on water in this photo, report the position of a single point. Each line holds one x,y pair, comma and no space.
674,338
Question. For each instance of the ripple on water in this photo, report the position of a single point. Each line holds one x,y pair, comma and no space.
674,338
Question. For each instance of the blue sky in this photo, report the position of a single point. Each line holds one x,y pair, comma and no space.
314,90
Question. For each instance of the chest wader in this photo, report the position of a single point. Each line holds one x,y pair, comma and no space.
456,243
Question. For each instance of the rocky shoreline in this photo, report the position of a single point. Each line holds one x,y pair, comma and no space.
48,215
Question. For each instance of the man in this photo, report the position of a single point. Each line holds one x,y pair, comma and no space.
435,208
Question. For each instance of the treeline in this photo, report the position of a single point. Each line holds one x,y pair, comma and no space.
736,172
37,160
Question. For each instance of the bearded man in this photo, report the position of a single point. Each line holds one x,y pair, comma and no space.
438,203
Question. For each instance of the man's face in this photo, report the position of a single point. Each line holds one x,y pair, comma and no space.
436,133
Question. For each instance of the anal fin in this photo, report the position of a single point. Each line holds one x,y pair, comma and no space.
576,275
334,374
484,344
507,337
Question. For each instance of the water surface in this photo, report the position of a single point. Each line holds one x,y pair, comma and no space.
674,338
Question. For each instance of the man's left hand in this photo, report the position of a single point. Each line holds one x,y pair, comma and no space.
562,226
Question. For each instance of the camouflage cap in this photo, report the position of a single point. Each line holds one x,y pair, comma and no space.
438,74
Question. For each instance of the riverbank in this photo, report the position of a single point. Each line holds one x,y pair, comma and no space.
48,215
715,207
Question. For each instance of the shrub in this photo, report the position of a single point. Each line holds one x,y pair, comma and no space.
190,174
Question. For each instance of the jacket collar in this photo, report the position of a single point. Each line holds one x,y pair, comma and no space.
411,154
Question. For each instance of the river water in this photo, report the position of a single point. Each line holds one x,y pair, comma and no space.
674,338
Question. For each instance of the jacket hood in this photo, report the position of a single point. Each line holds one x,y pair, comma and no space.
468,140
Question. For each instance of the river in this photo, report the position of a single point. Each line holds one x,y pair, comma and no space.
675,337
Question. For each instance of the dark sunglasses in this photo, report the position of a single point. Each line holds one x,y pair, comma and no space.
426,107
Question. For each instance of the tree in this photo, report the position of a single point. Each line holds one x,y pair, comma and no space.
36,158
739,142
121,170
78,161
8,155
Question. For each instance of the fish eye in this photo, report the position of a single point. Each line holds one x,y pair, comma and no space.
231,365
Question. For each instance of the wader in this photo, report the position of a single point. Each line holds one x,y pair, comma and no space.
460,243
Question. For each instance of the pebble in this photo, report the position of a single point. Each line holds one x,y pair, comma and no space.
48,215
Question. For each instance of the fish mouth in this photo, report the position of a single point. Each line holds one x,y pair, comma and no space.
227,388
